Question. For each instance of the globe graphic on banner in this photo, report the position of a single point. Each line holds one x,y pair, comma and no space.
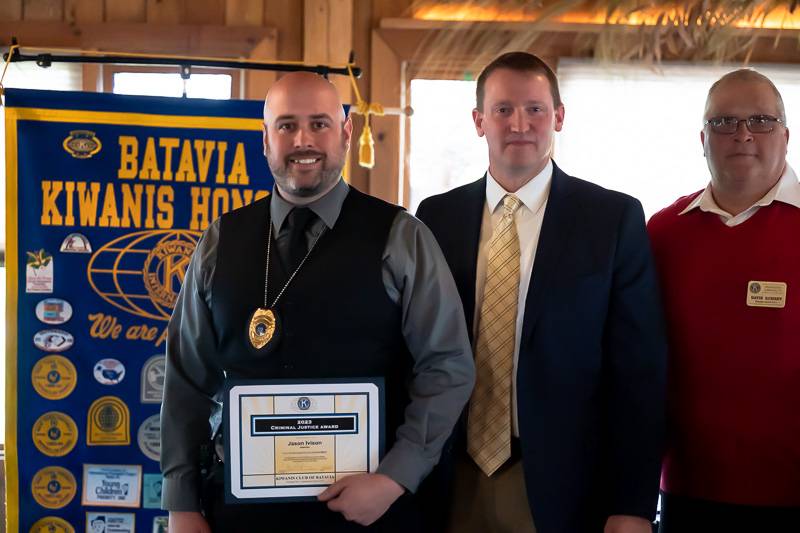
142,272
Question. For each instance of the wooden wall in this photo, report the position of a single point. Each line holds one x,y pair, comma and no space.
33,18
385,40
313,31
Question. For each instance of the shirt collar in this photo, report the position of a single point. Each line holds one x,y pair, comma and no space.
327,207
787,190
532,195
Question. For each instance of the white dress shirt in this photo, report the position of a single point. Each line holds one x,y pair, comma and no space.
787,190
528,219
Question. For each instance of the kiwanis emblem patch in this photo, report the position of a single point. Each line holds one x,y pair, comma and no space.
55,434
165,268
155,264
108,423
52,524
149,437
82,144
53,487
152,385
54,377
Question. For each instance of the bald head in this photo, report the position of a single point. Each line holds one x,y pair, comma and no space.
306,136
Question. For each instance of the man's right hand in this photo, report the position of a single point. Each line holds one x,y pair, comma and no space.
187,522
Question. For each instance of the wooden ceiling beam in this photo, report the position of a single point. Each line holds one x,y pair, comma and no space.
203,40
328,37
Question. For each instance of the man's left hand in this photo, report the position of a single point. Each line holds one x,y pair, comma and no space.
362,498
627,524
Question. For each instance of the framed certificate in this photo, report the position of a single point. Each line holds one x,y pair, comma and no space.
289,440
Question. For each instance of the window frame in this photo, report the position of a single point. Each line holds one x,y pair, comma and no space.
110,70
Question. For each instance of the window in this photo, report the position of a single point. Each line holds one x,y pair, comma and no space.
630,128
637,130
29,75
445,151
213,84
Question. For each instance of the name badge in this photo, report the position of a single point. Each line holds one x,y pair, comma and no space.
287,441
766,294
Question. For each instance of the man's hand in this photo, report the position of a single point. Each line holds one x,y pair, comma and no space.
187,522
623,524
361,498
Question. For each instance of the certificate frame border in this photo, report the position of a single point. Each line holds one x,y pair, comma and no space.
379,382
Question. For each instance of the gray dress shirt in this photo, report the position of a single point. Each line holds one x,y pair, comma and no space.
416,277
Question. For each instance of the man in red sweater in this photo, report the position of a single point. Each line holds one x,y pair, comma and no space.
729,263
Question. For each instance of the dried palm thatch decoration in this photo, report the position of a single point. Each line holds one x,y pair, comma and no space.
717,30
612,30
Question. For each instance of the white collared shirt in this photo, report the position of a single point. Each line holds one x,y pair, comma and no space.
787,190
528,219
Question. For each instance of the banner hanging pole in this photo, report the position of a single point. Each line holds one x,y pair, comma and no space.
46,59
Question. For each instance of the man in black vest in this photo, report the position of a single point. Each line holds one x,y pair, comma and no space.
361,289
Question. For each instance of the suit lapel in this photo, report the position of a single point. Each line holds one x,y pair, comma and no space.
555,236
474,202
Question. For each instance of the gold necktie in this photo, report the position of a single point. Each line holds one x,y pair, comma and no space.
489,422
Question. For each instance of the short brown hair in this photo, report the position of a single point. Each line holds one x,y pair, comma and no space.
519,62
753,76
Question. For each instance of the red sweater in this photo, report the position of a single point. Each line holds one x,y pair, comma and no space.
734,370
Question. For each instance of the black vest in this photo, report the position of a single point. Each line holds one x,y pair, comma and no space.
336,319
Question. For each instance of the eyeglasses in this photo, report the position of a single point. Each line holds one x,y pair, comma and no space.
730,125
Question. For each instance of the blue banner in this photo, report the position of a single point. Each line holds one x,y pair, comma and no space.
106,198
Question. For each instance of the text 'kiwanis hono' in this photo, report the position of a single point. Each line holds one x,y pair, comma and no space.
151,205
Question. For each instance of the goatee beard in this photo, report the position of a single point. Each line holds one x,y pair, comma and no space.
288,182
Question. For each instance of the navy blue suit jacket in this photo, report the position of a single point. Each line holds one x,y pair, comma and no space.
592,362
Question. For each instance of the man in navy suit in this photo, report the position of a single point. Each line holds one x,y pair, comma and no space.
564,430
